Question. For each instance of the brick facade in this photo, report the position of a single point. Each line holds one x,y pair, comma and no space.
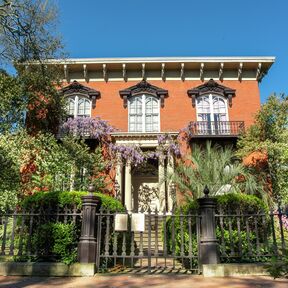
178,109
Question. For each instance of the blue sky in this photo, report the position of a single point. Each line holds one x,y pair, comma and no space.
131,28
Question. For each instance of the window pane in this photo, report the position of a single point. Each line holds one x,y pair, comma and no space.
204,112
84,107
132,127
80,107
137,105
71,106
87,107
219,108
151,114
135,114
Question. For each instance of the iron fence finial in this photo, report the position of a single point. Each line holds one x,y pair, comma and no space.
91,188
206,191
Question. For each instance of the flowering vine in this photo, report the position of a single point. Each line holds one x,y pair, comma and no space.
101,130
86,126
167,146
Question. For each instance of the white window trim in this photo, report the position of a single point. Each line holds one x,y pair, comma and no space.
143,98
211,106
76,100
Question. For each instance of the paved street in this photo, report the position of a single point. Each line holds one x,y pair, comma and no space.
127,281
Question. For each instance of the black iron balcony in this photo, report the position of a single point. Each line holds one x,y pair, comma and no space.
216,129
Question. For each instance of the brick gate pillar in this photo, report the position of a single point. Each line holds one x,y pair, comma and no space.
209,253
87,244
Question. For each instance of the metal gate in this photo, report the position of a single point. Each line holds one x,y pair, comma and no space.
163,242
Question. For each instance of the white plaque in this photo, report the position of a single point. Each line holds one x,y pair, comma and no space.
121,222
138,222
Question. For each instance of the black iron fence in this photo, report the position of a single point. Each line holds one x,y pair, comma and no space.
163,241
175,241
27,235
252,237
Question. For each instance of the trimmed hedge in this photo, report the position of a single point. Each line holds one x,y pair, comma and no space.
230,203
67,198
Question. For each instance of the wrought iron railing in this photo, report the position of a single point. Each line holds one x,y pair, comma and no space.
168,242
26,234
219,128
252,237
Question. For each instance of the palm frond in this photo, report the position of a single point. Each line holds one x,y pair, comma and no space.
216,167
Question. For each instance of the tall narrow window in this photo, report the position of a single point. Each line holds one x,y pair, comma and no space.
143,114
79,106
151,114
212,114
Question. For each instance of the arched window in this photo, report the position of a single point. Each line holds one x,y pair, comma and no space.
143,113
213,113
79,106
212,108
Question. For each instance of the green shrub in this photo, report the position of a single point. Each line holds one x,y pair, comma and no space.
225,204
241,203
278,267
68,199
65,242
230,203
53,240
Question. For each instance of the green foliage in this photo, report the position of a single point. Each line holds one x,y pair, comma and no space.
27,30
93,164
278,267
269,135
67,198
63,237
228,204
41,163
231,241
242,203
65,242
217,168
12,103
46,107
40,236
62,242
27,40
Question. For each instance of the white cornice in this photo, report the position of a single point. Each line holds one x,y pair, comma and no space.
246,59
184,68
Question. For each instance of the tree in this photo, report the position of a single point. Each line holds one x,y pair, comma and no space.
41,163
216,167
27,41
269,135
13,103
27,31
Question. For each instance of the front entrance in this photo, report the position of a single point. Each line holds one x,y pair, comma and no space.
141,186
145,187
167,243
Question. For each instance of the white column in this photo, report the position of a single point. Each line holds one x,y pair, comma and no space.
128,190
171,190
161,175
118,177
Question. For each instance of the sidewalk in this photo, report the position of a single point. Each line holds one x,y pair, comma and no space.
129,281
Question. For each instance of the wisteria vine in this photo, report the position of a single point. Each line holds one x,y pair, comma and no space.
88,127
101,131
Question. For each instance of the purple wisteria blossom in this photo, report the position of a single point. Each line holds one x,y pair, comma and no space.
100,130
168,145
133,153
88,127
174,149
190,130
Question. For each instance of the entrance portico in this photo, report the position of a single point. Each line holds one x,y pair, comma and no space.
144,187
